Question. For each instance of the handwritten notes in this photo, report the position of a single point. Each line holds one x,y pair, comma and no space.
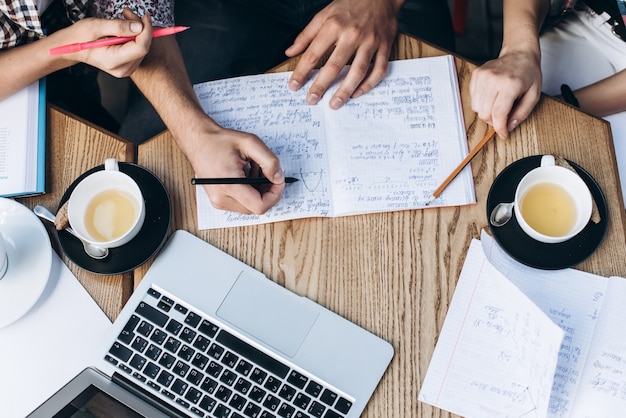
589,377
497,351
387,150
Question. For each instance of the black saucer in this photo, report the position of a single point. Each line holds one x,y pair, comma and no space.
147,242
529,251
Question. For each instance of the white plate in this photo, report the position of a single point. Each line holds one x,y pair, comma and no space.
30,260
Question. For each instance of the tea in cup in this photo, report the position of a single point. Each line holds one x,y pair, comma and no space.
552,203
107,208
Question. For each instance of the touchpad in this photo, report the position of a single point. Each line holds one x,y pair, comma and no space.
269,312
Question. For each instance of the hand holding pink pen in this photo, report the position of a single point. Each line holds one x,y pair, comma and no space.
115,40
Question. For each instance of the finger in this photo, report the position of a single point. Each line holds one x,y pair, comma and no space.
522,110
357,72
377,73
304,38
220,199
329,72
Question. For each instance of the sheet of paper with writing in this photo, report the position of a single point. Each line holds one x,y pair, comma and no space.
496,354
386,150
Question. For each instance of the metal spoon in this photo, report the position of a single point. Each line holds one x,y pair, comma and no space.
92,250
501,214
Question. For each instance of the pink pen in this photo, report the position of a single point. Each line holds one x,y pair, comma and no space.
115,40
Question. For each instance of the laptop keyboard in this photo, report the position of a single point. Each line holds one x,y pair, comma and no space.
207,371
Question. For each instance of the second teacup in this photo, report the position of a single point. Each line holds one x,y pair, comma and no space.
107,208
552,203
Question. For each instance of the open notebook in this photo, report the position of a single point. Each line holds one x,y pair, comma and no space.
206,335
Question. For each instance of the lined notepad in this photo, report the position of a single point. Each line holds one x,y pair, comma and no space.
472,372
384,151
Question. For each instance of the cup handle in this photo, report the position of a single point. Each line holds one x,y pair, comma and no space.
111,164
547,160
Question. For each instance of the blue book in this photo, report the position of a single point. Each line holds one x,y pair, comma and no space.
23,142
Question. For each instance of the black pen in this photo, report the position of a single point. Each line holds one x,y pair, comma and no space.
238,180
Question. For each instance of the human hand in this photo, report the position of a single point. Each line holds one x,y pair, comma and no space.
360,29
504,91
118,60
228,153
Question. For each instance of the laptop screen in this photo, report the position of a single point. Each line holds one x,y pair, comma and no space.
95,403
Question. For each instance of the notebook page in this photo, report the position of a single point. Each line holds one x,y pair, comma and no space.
496,354
292,129
414,138
602,389
574,300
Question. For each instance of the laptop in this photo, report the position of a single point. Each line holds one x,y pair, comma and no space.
205,335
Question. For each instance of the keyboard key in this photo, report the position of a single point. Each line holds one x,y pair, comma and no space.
186,352
192,319
165,378
223,393
216,351
208,329
343,405
138,362
253,354
287,392
207,403
228,377
200,361
252,410
153,352
332,414
120,351
297,379
258,376
172,344
174,327
230,359
195,377
209,385
257,394
316,409
145,328
179,387
237,402
188,335
271,402
167,360
151,314
154,293
243,367
222,411
193,395
158,336
201,343
272,384
301,401
286,411
151,370
180,369
126,336
314,389
242,386
139,344
165,304
180,308
328,397
214,369
182,403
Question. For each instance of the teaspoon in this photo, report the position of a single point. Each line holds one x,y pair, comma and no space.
92,250
501,214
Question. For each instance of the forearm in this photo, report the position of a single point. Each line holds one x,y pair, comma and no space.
605,97
23,65
162,79
522,21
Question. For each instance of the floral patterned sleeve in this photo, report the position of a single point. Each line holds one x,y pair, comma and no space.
161,11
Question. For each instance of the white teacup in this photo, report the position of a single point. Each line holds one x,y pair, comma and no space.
107,208
552,203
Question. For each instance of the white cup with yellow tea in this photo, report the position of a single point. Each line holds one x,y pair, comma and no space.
552,203
107,208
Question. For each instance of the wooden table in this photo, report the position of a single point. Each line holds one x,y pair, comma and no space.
391,273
